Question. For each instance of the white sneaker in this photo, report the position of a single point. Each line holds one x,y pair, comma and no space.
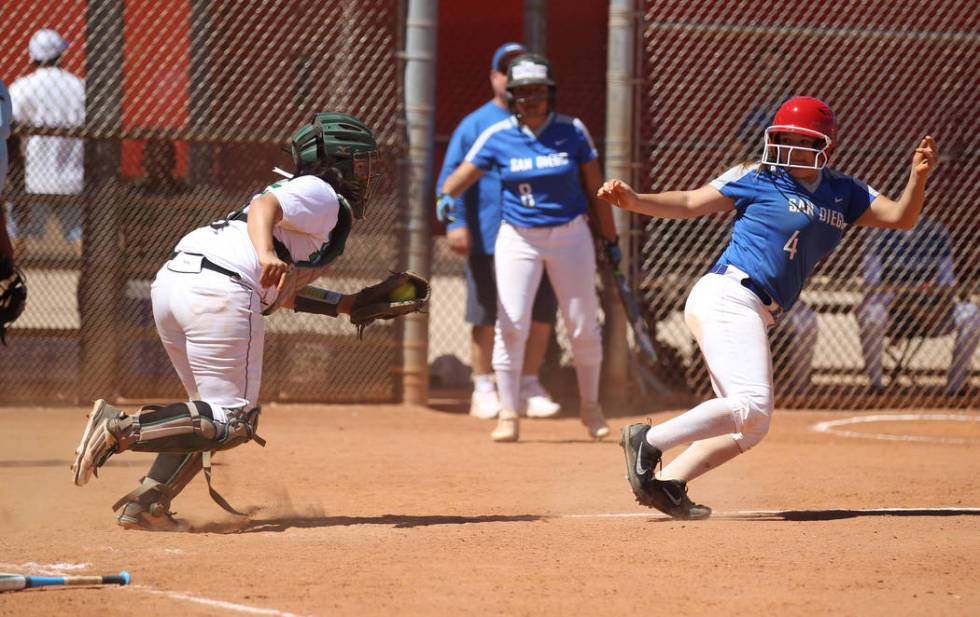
593,420
485,405
537,403
507,427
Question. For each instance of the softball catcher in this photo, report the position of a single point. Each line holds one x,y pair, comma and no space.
208,302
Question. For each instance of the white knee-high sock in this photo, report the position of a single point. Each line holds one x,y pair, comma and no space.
588,383
709,419
509,389
700,457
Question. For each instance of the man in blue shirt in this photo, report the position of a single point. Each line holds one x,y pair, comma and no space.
473,221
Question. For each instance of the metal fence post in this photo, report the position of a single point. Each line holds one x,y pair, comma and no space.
536,26
420,55
619,149
99,287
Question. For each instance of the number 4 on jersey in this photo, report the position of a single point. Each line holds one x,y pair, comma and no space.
790,246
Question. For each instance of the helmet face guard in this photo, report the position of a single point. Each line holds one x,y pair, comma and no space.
341,149
364,174
801,115
781,155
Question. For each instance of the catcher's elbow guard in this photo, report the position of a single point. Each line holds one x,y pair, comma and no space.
312,299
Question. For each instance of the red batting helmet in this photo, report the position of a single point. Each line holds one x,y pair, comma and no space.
802,115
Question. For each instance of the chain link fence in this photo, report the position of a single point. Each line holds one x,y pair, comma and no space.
714,74
576,50
186,109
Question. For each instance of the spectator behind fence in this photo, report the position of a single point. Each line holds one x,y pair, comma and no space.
159,163
473,221
550,175
914,294
49,97
791,211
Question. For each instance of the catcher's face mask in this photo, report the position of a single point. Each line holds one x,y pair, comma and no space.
366,175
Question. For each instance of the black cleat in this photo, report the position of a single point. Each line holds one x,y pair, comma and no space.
668,496
641,459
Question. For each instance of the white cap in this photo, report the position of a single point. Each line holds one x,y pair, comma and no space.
46,45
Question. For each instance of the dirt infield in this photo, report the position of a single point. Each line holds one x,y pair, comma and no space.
390,510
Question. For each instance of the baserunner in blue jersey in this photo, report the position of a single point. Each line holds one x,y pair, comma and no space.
472,222
791,210
548,170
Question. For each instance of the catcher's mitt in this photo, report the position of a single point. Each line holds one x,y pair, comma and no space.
13,295
399,294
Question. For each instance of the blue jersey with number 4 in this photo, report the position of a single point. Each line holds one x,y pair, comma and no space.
542,185
783,229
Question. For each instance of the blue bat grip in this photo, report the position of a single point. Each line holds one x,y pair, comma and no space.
37,581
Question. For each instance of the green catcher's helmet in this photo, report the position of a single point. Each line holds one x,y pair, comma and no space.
341,149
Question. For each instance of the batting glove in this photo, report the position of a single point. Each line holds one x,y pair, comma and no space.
445,205
613,253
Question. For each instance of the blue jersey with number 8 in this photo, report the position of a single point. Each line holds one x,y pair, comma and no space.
783,229
542,185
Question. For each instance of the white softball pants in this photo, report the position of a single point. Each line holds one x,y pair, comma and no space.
521,256
731,327
212,329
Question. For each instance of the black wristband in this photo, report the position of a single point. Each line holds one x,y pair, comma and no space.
317,306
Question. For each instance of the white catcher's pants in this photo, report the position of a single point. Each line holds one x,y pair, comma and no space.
212,329
521,256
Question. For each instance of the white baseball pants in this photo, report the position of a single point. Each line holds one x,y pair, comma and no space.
731,327
521,256
212,328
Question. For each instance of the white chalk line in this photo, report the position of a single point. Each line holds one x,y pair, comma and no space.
61,568
231,606
32,568
756,513
830,427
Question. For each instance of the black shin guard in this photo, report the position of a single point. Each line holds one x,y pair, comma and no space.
185,434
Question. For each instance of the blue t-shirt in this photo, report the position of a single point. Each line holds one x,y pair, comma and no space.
542,184
479,207
783,229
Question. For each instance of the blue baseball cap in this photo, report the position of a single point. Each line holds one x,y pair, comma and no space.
503,50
